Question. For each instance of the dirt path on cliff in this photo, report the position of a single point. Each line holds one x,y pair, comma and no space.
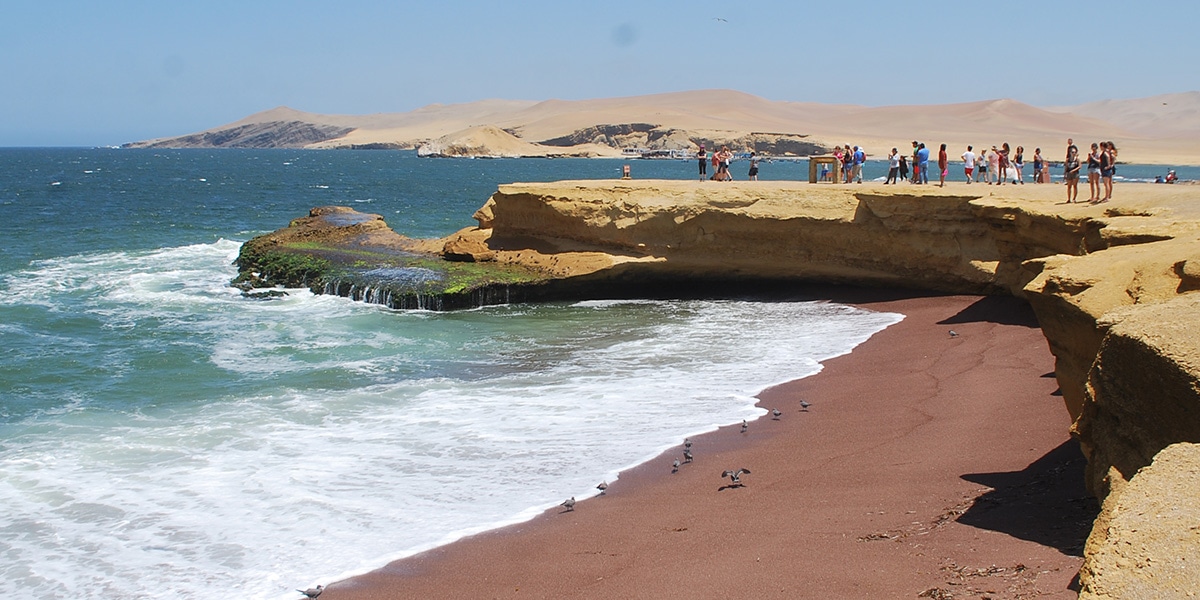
927,464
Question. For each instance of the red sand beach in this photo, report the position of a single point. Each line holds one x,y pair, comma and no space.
928,465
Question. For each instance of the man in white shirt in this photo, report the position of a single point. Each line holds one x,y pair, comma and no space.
968,163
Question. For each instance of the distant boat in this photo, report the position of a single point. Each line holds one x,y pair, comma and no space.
666,154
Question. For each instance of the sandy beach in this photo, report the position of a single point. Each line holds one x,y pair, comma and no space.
928,464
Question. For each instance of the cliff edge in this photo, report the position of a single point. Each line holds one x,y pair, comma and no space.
1113,285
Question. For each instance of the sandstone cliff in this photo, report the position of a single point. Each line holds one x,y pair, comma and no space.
1114,287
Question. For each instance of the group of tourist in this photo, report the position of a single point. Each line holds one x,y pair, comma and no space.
994,167
1101,166
720,162
1003,164
852,162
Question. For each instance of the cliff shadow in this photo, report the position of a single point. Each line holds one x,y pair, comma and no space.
1002,310
1046,502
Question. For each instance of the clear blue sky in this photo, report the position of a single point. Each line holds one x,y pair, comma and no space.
95,73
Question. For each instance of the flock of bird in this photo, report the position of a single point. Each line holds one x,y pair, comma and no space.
734,475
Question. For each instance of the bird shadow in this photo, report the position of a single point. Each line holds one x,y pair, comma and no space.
1002,310
1046,502
731,486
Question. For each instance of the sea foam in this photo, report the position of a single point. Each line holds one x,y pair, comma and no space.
218,442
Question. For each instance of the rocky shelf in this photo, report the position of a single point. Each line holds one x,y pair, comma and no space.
1113,286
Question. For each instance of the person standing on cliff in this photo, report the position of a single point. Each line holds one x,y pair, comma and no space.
753,175
1071,173
903,168
968,163
923,159
893,167
703,156
916,162
943,166
860,157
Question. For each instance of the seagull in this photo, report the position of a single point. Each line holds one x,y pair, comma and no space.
675,466
775,412
804,406
745,426
687,443
687,456
953,333
603,487
569,503
313,592
735,477
720,19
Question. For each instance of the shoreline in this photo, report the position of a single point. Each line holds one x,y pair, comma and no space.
926,496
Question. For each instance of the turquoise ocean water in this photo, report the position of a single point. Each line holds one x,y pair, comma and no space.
163,437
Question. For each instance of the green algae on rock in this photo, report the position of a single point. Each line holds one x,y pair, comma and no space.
336,250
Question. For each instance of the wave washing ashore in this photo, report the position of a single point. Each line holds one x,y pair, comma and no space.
164,437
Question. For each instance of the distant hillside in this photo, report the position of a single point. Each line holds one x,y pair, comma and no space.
1146,130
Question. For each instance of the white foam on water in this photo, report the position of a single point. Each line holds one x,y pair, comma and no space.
368,434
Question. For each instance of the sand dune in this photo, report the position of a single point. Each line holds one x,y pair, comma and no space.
1167,115
1160,129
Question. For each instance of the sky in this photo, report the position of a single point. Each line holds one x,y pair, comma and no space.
76,73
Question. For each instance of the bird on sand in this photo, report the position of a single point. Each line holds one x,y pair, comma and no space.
804,406
687,456
313,592
775,412
745,426
675,466
953,333
687,443
735,477
603,487
569,503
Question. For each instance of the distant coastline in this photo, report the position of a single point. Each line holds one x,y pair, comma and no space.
1156,130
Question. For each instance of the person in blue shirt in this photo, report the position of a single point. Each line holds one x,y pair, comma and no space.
860,157
923,159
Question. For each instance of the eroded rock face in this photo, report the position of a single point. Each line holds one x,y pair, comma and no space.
1146,541
781,231
1143,391
1112,289
1115,290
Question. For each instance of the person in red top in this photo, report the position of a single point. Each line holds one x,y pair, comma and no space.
943,165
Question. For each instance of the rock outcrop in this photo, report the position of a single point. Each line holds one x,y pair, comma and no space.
1114,288
489,141
272,134
1146,543
648,136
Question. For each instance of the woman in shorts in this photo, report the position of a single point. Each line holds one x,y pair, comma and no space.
1018,163
1071,173
1108,168
1093,171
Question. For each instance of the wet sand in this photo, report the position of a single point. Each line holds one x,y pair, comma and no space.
927,464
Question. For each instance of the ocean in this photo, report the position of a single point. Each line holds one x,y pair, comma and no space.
162,436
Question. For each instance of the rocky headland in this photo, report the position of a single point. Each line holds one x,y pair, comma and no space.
1112,286
1156,130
